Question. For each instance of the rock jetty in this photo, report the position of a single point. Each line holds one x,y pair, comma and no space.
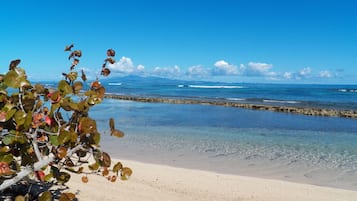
286,109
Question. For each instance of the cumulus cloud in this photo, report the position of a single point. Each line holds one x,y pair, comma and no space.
224,68
305,72
198,71
258,69
169,72
287,75
325,74
140,67
126,66
220,68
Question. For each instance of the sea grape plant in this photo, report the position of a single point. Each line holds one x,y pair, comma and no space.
46,134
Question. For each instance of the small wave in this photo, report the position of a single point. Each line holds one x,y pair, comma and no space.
280,101
215,86
236,99
180,85
115,83
348,90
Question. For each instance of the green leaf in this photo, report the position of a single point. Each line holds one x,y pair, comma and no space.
72,75
87,125
28,102
96,138
93,100
8,139
16,79
64,137
126,173
10,79
64,87
94,166
46,196
20,137
63,177
7,158
40,89
54,140
74,136
117,167
54,107
20,117
65,104
28,120
90,93
48,177
10,114
4,149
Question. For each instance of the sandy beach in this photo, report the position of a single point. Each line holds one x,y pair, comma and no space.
160,182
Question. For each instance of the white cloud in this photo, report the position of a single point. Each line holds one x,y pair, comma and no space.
224,68
287,75
259,69
198,71
325,74
221,68
125,65
169,72
305,72
141,67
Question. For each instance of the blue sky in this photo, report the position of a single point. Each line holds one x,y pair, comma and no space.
235,41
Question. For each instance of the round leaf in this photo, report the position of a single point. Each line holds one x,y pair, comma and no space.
126,173
87,125
64,87
64,137
63,177
105,160
94,166
72,76
46,196
117,167
117,133
67,197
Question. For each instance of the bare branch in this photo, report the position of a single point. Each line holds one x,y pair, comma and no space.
28,169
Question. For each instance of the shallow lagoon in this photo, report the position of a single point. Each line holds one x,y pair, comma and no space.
316,150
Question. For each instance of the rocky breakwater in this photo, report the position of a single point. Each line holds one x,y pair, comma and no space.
286,109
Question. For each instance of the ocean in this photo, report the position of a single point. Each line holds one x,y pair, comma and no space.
293,147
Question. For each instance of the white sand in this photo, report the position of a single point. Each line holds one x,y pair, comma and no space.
163,183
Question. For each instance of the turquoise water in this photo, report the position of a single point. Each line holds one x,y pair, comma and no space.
317,150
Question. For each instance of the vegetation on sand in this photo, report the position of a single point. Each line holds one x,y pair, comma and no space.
46,134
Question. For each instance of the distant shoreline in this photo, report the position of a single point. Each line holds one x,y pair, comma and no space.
310,111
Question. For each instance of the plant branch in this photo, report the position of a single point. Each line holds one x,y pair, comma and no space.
35,145
37,166
28,169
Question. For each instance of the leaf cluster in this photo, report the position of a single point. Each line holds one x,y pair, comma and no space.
33,128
